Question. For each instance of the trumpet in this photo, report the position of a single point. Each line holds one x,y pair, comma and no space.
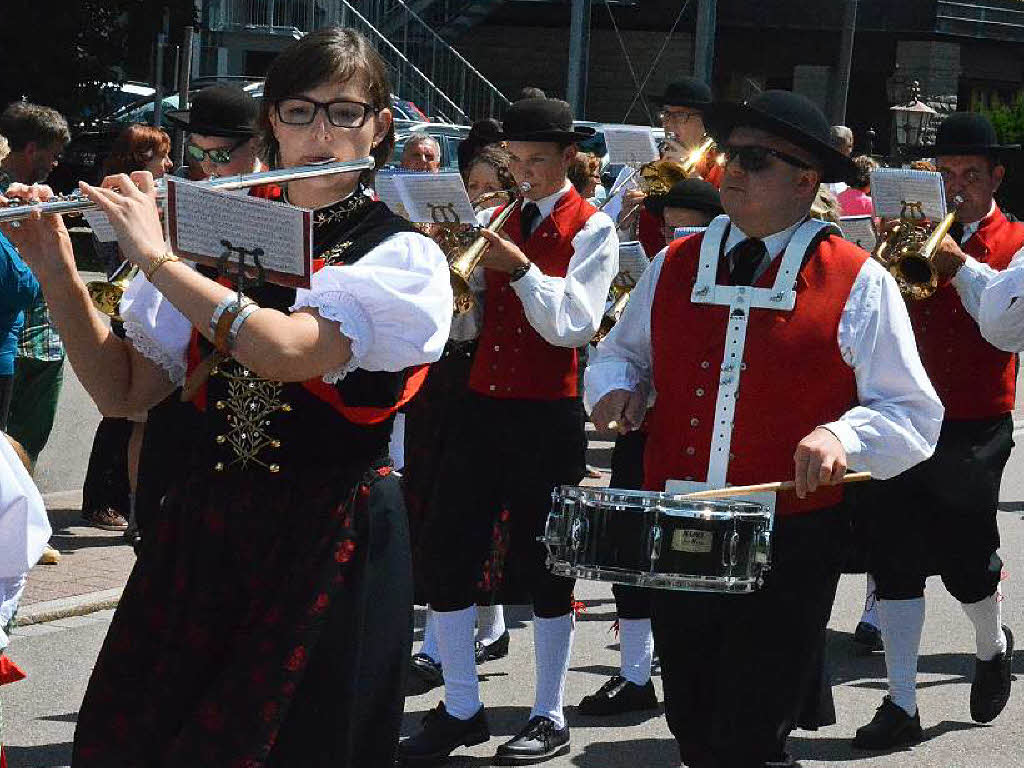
77,202
466,260
696,157
620,297
907,249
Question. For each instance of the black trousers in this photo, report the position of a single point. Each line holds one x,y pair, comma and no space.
940,516
492,501
628,473
6,388
739,670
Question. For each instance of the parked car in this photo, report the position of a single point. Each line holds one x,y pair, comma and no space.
83,157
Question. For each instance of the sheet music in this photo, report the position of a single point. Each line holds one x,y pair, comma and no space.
387,191
891,187
630,144
859,231
199,218
100,226
633,262
625,181
435,198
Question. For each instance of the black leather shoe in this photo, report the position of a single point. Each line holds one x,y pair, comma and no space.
424,675
869,636
491,651
441,734
891,727
991,687
619,695
783,762
540,740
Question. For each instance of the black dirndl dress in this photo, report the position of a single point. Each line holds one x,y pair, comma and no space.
268,620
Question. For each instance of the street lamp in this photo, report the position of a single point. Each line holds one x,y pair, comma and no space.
912,119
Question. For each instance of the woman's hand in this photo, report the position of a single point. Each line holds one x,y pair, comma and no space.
130,204
42,241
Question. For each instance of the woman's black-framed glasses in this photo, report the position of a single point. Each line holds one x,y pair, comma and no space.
218,155
755,158
341,113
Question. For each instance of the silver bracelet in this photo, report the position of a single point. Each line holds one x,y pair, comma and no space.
226,302
236,326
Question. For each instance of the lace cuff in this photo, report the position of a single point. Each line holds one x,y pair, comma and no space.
344,309
151,350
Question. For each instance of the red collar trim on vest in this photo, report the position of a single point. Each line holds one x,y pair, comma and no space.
988,229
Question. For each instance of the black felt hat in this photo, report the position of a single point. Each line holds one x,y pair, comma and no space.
789,116
688,92
542,120
693,194
966,133
219,110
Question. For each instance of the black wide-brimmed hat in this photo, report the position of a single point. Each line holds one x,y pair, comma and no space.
219,110
542,120
688,92
966,133
789,116
693,194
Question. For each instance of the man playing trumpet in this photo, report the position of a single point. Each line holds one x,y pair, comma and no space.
755,372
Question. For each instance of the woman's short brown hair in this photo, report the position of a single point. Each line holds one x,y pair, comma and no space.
582,168
134,147
496,157
327,55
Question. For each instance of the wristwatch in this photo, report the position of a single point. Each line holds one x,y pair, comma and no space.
518,272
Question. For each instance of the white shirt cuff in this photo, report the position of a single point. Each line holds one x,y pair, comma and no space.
847,437
529,281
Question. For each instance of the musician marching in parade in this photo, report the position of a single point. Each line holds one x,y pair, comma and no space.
520,435
690,203
812,325
268,620
940,517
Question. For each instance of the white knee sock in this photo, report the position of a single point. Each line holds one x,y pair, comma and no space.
988,625
870,615
429,647
636,650
458,660
901,625
490,623
552,644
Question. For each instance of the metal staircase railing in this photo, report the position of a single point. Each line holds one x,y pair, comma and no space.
424,67
275,16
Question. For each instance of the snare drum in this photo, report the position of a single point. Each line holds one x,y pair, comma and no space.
661,540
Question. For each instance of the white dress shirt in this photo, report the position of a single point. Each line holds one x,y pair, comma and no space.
897,421
567,311
1001,314
394,304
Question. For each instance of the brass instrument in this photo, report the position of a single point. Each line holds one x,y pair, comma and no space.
465,260
696,157
77,202
907,246
106,294
619,295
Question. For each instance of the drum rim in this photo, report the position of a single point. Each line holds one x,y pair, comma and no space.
663,502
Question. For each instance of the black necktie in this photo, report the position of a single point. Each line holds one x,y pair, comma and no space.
957,232
746,258
527,219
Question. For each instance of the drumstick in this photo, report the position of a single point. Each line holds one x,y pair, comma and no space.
784,485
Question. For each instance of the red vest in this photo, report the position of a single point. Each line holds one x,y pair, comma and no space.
973,379
513,360
793,379
650,232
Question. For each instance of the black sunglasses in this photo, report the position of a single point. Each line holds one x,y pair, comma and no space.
754,157
341,113
218,155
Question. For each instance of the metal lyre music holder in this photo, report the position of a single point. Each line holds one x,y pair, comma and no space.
238,275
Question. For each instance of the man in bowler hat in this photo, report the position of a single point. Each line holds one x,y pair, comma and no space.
221,132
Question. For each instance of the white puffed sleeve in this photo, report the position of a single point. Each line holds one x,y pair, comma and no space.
394,304
156,328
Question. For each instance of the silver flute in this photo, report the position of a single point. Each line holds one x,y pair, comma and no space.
76,203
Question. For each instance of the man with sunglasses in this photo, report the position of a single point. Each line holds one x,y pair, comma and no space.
786,325
940,518
221,128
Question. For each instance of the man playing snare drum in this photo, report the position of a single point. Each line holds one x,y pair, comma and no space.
796,327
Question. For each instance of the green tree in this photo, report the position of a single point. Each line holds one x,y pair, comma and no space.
63,54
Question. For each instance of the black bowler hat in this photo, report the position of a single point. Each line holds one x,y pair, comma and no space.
966,133
219,110
688,92
693,194
542,120
789,116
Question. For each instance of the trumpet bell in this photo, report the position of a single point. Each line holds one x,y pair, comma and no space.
106,297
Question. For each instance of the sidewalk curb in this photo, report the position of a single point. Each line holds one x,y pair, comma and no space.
78,605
